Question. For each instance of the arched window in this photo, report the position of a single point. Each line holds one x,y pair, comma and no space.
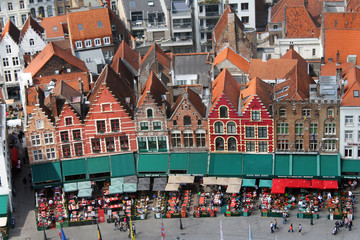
33,13
231,127
41,12
187,120
223,112
149,113
32,42
49,11
231,144
219,144
219,127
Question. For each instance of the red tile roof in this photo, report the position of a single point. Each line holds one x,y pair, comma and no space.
47,53
12,30
159,54
226,84
329,69
341,21
126,53
194,98
292,54
353,78
223,21
236,59
353,6
30,22
54,26
154,87
271,69
299,23
260,88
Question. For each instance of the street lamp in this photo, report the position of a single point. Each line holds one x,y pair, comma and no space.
181,226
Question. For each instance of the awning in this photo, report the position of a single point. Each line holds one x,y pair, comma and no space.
3,222
130,187
258,164
222,181
117,181
143,187
113,189
181,179
98,165
46,172
282,164
161,180
329,165
86,192
153,163
225,164
122,165
172,187
233,188
159,187
209,180
317,184
278,189
331,184
84,185
3,205
70,187
278,182
265,183
131,179
179,161
248,182
144,180
73,167
235,181
350,165
304,165
198,163
297,183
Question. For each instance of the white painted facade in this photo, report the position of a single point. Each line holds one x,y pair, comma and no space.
15,10
245,9
350,132
308,48
41,8
32,42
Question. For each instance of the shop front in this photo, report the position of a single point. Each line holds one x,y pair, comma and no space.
46,175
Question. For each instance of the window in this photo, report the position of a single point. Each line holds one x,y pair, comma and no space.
223,112
330,128
262,132
95,144
162,143
299,128
78,149
348,151
35,140
282,112
299,144
115,125
157,125
314,52
199,122
66,151
187,120
7,76
41,12
175,139
80,27
306,112
23,18
106,107
231,144
15,61
249,132
48,138
31,1
110,144
245,20
100,126
22,5
142,144
88,43
149,113
283,144
313,144
219,127
263,146
60,10
250,146
200,138
16,75
349,120
8,49
219,144
113,6
152,143
32,42
231,127
188,138
55,29
124,143
76,135
99,24
144,126
255,115
313,128
68,121
244,6
174,122
330,113
330,145
10,6
78,44
49,11
106,40
37,155
97,41
50,153
348,135
356,93
64,136
5,62
33,12
39,124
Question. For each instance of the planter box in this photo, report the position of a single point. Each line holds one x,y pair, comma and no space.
336,217
308,215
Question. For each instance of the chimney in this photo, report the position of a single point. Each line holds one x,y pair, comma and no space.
53,104
80,86
291,46
90,6
338,75
322,60
337,58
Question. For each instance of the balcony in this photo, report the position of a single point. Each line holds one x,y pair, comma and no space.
178,41
137,25
208,1
181,14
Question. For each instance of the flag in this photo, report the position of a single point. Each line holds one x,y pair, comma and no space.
313,137
132,230
162,231
250,233
63,237
221,232
99,233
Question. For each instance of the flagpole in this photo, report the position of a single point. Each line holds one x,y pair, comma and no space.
221,231
131,230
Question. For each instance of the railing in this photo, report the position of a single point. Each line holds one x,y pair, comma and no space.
177,26
181,13
210,14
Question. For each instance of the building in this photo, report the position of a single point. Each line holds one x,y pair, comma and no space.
40,9
15,11
251,13
32,38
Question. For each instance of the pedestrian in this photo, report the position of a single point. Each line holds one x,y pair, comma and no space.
291,229
275,225
24,180
134,230
350,224
271,227
284,217
115,225
346,222
300,228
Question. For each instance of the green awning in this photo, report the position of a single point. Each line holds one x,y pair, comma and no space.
98,165
84,185
304,165
70,187
122,165
352,166
3,205
73,167
179,161
46,172
198,163
225,164
116,189
265,183
282,164
117,181
248,182
130,187
87,192
329,165
153,163
258,164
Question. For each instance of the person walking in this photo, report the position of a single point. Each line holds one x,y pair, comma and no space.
275,225
350,224
271,227
115,225
300,228
291,229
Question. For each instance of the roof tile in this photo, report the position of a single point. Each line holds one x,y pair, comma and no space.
299,23
236,59
129,55
154,87
12,30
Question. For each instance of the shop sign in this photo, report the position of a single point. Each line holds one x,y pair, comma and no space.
353,144
351,177
310,177
256,175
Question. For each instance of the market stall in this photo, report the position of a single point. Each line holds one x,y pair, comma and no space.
160,204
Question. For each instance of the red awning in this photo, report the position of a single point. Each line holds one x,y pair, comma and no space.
297,183
278,182
331,184
317,184
278,189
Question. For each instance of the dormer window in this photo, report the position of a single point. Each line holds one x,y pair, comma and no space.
97,41
68,121
32,42
106,40
99,24
78,44
356,93
149,113
39,124
224,112
88,43
55,28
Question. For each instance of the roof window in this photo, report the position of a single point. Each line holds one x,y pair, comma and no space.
99,24
80,27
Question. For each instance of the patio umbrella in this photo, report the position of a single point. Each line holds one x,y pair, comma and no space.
84,185
209,180
160,180
131,179
159,187
222,181
143,187
130,187
113,189
85,192
117,181
235,181
70,187
144,180
170,187
233,188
